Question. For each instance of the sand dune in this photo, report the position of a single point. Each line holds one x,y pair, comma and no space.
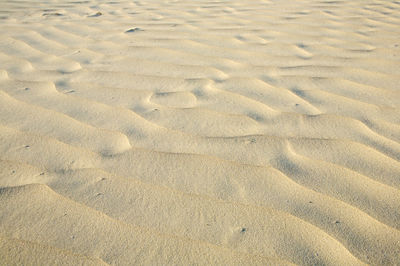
200,132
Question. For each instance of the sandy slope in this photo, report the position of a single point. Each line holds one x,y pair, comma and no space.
200,132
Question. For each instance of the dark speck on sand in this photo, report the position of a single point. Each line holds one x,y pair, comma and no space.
133,30
98,14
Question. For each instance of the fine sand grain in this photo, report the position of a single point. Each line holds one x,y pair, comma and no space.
230,132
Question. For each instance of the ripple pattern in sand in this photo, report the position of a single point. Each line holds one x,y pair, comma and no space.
208,132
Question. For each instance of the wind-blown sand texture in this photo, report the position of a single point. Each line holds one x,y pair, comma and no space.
200,132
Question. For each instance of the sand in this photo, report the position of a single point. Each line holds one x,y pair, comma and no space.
171,132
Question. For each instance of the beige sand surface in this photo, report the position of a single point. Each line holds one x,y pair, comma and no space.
159,132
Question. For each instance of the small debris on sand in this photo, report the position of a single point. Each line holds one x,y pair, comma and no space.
98,14
133,30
